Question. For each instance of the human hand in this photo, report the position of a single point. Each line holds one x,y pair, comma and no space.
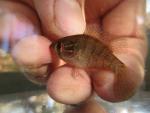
122,20
123,33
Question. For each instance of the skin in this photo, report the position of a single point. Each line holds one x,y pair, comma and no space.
116,18
91,55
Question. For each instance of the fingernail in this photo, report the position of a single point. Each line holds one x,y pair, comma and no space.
69,17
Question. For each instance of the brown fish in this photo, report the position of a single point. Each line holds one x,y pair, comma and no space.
86,52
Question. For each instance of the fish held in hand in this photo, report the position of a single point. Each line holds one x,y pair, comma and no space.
84,51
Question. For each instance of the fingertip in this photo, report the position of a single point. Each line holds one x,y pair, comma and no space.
116,88
33,57
31,49
67,88
103,83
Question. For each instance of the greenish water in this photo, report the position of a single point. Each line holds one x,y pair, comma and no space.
15,82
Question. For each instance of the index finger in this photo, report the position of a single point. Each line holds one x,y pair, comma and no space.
60,18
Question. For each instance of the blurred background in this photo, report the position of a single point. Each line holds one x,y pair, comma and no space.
18,95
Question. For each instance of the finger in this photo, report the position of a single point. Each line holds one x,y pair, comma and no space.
28,2
130,48
68,87
94,10
33,57
126,19
60,17
17,21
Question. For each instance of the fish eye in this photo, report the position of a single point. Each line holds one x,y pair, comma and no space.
58,46
67,49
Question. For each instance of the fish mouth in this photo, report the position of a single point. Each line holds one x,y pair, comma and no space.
54,49
53,45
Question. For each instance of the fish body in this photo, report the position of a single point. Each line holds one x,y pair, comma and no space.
86,52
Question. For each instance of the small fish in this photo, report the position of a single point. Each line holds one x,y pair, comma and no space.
84,51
